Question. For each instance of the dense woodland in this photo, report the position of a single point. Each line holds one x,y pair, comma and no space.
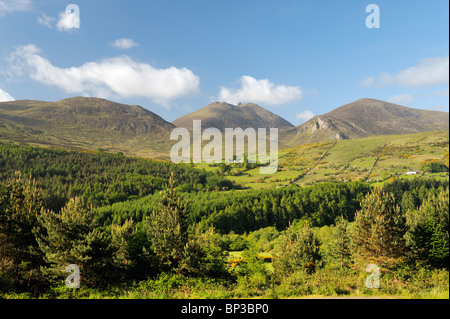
143,228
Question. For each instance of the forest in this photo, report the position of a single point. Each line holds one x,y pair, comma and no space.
139,228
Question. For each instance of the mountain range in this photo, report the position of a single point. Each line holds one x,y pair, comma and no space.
93,123
86,123
222,115
363,118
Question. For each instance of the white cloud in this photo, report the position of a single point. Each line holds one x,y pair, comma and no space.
305,116
69,20
429,72
369,81
4,96
9,6
125,43
112,77
45,20
260,91
402,99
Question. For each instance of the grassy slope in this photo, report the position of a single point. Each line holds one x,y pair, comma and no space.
353,160
87,124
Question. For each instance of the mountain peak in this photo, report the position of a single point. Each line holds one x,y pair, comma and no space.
72,121
367,117
223,115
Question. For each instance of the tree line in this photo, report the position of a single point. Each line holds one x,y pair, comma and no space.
100,178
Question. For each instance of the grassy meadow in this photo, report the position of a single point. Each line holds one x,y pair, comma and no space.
373,159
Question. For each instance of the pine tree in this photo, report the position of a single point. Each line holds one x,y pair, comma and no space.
379,227
427,236
73,237
168,228
340,246
20,204
298,249
134,257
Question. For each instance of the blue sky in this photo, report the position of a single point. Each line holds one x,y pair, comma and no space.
296,58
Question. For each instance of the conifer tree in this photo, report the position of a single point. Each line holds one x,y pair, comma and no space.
379,227
168,228
340,246
196,253
73,237
298,249
20,204
427,236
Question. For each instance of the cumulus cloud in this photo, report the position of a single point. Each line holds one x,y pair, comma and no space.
4,96
260,91
304,116
429,72
8,6
125,43
69,19
112,77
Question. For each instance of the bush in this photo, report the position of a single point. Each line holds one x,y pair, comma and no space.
434,167
297,250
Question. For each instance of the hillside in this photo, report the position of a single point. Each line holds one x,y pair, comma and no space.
374,159
86,123
223,115
363,118
93,123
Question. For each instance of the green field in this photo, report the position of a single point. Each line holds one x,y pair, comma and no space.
373,159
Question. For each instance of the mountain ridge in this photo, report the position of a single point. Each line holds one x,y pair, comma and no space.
363,118
223,115
92,123
89,123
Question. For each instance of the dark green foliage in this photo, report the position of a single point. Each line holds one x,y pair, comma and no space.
72,237
135,258
340,245
379,227
298,249
21,203
167,228
196,253
428,230
233,242
434,167
101,178
250,210
416,190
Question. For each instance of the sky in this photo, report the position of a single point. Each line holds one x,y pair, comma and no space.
296,58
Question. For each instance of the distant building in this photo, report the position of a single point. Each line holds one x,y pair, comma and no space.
411,173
